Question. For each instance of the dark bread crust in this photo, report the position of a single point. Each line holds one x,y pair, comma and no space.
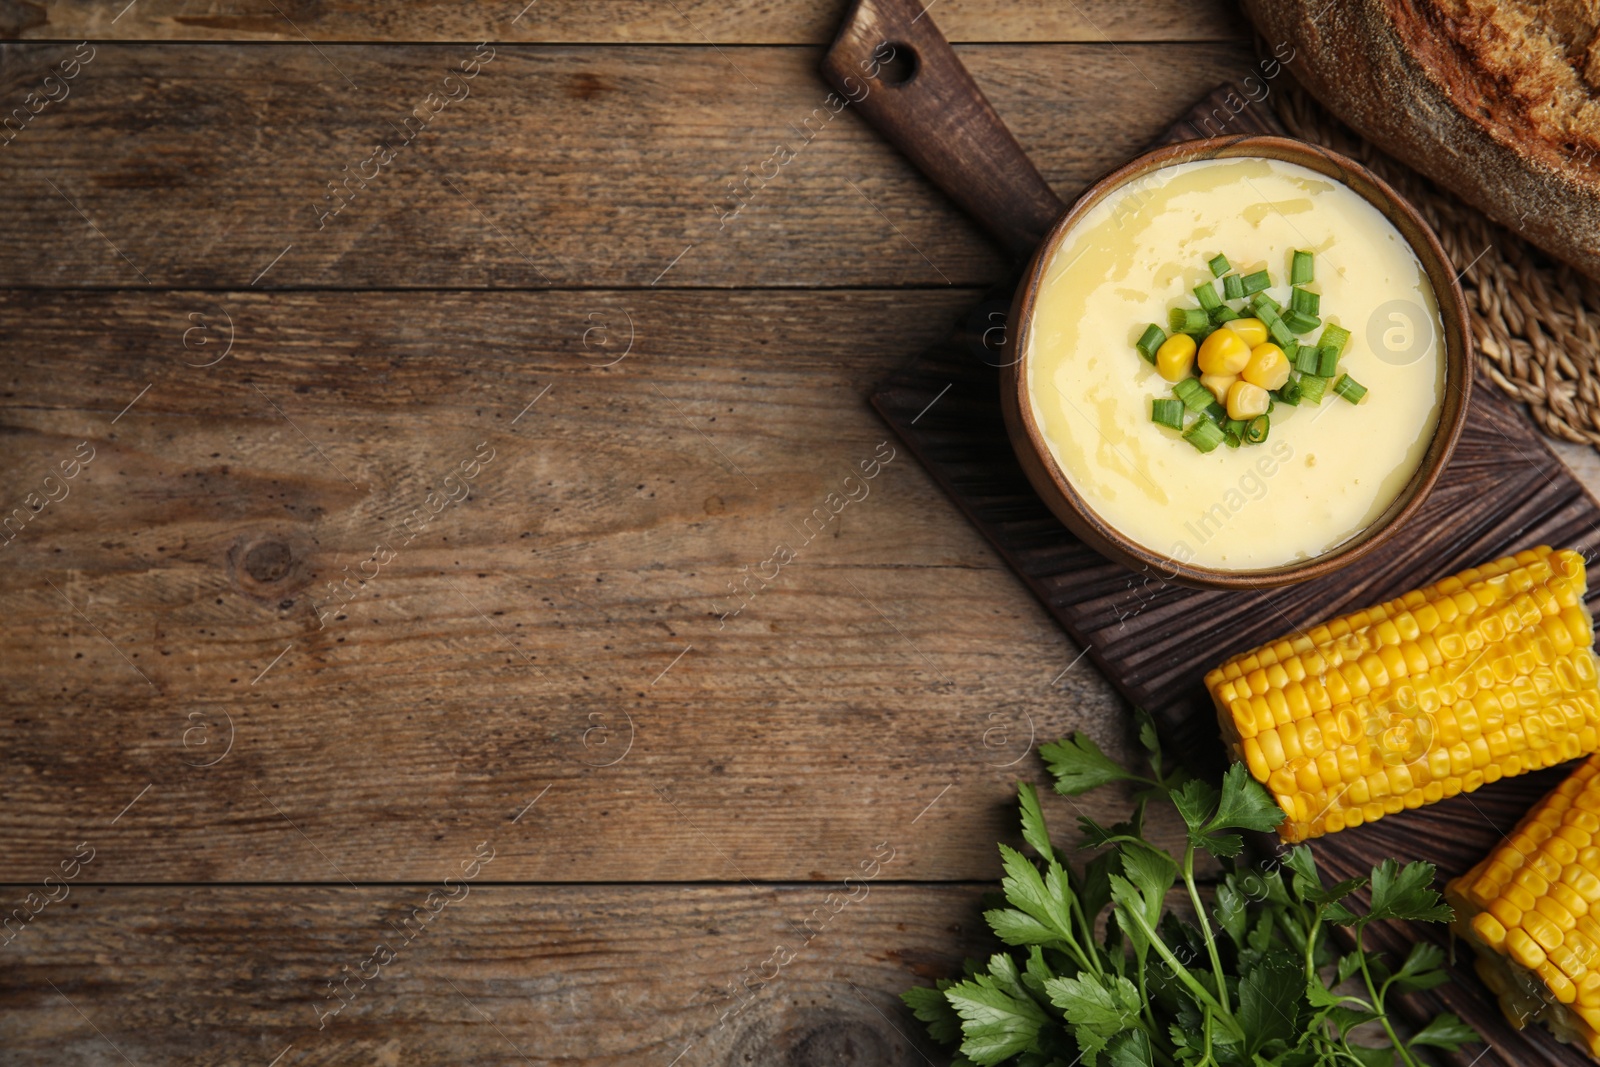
1490,99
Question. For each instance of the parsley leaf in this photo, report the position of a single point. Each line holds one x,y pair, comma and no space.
1019,928
1195,801
1405,893
1140,893
1079,765
1446,1031
1033,829
998,1017
1422,969
1131,1049
1307,884
931,1007
1099,1007
1269,1001
1230,912
1094,892
1025,890
1245,804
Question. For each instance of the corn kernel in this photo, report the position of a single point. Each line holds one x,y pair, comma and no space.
1550,909
1509,915
1219,384
1488,928
1519,896
1272,748
1245,399
1523,949
1252,332
1268,367
1223,352
1558,984
1569,899
1175,357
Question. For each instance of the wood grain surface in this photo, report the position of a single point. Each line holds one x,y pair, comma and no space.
695,22
583,976
270,776
565,167
525,636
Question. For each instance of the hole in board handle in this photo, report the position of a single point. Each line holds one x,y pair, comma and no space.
896,63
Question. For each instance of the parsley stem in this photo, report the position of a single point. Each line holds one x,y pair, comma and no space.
1149,1012
1378,1005
1075,906
1201,994
1205,928
1207,1028
1311,946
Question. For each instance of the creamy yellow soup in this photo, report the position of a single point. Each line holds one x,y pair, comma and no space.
1326,471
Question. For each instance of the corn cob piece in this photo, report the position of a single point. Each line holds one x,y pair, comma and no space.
1487,674
1531,909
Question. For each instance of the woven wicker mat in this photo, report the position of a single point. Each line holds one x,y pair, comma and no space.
1536,320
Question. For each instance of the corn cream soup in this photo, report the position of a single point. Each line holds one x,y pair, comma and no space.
1327,470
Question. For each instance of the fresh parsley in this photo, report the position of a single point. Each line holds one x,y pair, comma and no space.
1251,977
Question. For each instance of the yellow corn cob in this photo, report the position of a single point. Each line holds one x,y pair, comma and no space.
1527,910
1484,675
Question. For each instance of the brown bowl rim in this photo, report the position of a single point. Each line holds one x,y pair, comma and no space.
1057,491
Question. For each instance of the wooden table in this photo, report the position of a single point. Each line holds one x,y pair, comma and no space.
354,551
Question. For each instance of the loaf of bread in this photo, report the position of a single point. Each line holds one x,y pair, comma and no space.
1497,100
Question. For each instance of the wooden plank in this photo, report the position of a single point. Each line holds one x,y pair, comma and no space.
581,976
616,22
567,167
886,677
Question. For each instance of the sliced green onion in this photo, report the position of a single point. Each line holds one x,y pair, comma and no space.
1195,396
1206,293
1301,323
1261,302
1219,266
1335,336
1188,320
1223,313
1230,439
1169,413
1254,283
1257,429
1327,361
1289,392
1279,329
1232,287
1215,411
1302,270
1205,435
1235,427
1313,388
1350,389
1149,341
1305,301
1306,360
1152,339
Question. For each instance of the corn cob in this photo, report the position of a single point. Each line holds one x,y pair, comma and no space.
1526,909
1487,674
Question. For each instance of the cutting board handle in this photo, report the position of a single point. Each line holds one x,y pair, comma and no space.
894,65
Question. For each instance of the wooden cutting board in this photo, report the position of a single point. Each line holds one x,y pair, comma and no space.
1503,491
